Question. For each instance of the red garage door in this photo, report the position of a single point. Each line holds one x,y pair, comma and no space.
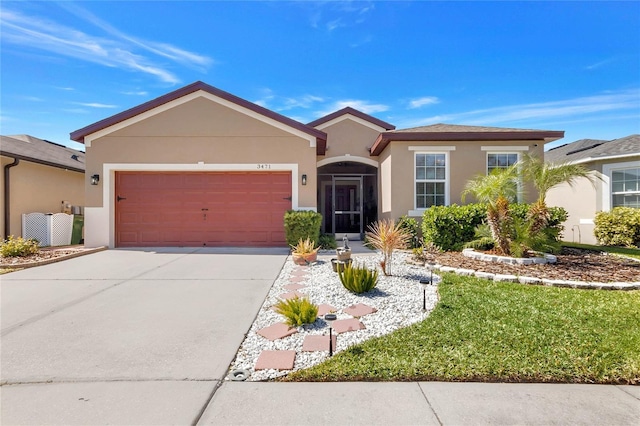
175,209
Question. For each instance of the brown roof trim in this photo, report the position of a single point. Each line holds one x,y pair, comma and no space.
321,137
355,113
43,162
385,138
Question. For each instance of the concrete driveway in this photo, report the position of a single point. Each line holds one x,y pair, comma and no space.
127,336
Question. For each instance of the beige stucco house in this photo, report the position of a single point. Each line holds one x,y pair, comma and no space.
617,165
200,166
38,176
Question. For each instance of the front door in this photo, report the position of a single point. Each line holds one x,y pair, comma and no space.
347,206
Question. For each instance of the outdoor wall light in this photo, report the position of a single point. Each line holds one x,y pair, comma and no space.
304,179
330,318
95,179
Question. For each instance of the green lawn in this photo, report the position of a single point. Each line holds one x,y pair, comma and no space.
486,331
629,252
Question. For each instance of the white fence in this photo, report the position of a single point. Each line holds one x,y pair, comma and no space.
50,229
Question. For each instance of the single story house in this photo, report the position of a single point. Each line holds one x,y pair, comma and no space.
616,163
39,176
202,167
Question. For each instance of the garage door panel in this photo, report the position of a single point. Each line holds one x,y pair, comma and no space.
196,209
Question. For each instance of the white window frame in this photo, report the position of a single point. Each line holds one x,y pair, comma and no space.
607,171
518,154
447,176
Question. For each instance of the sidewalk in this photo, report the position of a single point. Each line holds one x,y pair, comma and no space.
423,403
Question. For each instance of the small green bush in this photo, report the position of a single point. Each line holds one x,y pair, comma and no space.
358,279
18,247
327,242
297,311
410,226
302,224
450,227
619,227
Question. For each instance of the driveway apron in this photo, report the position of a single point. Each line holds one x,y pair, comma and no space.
127,336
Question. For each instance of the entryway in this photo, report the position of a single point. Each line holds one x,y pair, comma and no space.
348,198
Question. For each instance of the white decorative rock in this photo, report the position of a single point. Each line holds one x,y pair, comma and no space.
484,275
529,280
505,278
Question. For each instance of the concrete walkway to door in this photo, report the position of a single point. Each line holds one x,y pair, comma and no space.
127,336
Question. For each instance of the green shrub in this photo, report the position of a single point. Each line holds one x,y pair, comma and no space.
18,247
298,311
358,279
302,224
327,242
410,226
619,227
450,227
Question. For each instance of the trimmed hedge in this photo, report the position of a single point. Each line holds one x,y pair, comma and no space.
619,227
302,224
450,227
410,225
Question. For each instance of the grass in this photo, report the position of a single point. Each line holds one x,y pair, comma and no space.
486,331
624,251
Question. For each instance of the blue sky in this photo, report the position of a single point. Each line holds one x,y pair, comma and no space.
572,66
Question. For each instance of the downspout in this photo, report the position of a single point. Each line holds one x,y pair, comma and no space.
7,197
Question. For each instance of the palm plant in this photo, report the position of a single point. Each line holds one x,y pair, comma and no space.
496,189
385,235
545,176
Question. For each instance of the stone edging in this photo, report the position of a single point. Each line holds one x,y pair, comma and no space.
540,281
548,258
53,260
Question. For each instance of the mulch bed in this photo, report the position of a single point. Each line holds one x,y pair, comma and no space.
44,254
573,264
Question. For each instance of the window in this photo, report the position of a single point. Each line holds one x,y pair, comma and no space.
504,160
431,179
625,187
500,160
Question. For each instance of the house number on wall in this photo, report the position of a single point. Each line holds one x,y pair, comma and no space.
264,166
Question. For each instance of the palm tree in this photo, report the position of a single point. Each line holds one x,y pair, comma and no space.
545,176
496,189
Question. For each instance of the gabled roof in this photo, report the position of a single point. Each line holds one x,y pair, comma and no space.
355,113
29,148
455,132
321,137
586,150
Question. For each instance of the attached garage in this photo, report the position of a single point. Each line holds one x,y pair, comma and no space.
201,209
197,167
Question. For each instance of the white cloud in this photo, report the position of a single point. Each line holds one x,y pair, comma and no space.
116,50
575,108
364,106
420,102
135,93
95,105
600,64
304,101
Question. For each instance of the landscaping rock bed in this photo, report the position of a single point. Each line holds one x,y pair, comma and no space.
397,301
572,265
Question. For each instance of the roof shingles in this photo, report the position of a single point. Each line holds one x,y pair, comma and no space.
585,150
29,148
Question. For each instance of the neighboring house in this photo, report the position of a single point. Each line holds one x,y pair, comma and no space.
616,162
202,167
38,176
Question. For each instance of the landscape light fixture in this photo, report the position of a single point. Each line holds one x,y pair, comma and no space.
95,179
330,318
304,179
424,282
